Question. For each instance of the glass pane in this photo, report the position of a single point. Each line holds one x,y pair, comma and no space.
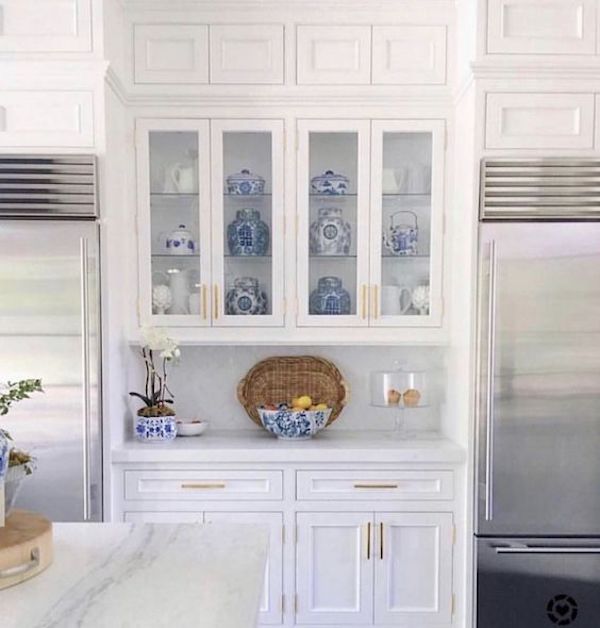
175,229
247,223
406,223
333,171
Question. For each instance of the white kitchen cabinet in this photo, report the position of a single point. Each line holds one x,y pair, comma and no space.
48,26
46,118
339,55
409,55
413,568
334,573
170,53
270,605
539,121
560,27
246,54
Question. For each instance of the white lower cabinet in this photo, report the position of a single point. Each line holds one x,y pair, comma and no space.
374,568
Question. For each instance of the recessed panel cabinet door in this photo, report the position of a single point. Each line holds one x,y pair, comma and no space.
413,568
334,579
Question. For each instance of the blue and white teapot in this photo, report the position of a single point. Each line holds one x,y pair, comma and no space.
402,239
181,242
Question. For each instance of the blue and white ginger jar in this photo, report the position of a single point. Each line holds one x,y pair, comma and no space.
329,183
181,242
330,234
246,298
155,428
330,298
248,234
245,183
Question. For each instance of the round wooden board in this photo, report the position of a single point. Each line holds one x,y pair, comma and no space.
25,547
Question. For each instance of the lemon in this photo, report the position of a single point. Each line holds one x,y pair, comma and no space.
303,402
321,406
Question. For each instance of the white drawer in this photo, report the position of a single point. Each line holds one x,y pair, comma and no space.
203,485
46,118
539,120
541,27
163,517
364,485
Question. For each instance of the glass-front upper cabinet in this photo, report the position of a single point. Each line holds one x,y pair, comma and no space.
174,221
333,222
247,222
406,222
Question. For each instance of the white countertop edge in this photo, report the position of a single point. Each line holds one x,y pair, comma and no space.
254,446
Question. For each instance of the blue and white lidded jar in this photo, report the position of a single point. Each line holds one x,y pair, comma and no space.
245,183
155,428
181,242
330,298
402,239
245,298
330,234
248,234
329,183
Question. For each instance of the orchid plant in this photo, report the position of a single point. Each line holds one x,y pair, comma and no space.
158,350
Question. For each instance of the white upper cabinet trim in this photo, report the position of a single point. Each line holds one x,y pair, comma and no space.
170,53
542,27
409,55
48,26
246,54
542,120
339,55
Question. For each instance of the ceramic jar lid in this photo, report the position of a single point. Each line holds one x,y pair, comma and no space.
244,175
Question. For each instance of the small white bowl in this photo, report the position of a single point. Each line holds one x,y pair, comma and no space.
191,427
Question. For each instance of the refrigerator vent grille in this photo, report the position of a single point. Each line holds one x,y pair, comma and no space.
46,185
543,189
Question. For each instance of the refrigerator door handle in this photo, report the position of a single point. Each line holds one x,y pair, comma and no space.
491,366
85,361
534,549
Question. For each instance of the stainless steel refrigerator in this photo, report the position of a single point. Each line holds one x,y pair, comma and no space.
50,328
538,401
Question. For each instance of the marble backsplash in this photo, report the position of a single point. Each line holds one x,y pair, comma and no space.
204,382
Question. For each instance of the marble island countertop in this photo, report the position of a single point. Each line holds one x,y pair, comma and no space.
259,445
144,576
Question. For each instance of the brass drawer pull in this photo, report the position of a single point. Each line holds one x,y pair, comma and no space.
205,485
376,486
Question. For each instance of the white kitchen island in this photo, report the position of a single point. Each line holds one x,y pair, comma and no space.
144,576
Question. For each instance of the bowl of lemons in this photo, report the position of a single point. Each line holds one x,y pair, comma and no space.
299,419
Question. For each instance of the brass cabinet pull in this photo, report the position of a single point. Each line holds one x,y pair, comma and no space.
381,540
203,485
376,301
364,299
204,302
376,486
369,541
216,304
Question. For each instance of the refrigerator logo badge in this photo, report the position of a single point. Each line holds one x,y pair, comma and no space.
562,610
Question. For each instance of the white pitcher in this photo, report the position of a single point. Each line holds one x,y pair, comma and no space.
181,179
395,300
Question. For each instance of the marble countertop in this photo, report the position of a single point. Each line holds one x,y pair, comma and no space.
144,576
260,446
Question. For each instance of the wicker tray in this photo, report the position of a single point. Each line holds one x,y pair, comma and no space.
278,379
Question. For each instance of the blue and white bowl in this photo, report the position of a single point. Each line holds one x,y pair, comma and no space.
155,428
329,183
294,424
245,183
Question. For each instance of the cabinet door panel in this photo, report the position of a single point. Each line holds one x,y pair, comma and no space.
270,605
334,578
413,568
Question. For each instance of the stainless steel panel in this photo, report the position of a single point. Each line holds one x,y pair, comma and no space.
534,583
43,333
538,452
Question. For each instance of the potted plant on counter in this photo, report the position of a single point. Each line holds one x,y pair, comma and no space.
14,463
155,420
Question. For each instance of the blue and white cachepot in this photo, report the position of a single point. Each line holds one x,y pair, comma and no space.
245,298
402,239
245,183
330,234
248,234
4,453
155,428
294,424
330,298
329,183
181,242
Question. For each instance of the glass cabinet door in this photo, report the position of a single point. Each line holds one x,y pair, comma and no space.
174,221
406,222
247,219
333,228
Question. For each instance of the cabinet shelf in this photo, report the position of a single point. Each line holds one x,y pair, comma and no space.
174,257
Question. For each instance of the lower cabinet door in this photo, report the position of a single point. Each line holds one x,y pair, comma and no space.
413,568
334,568
271,602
